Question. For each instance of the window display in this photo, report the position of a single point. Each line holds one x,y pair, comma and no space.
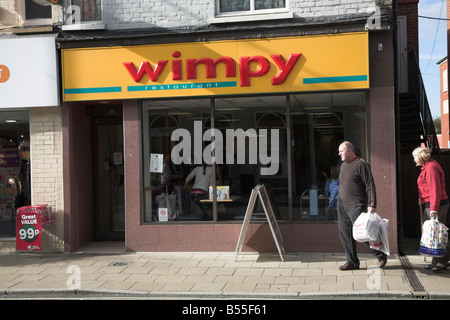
177,188
320,122
14,168
197,148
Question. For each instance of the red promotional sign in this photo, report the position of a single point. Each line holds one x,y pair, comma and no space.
28,229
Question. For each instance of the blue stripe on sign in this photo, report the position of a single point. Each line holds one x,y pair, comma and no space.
93,90
335,79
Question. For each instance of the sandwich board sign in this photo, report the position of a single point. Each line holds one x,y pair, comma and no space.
260,192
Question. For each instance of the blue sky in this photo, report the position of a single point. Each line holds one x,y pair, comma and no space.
432,48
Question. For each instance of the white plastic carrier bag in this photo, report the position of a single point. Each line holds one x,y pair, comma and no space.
382,241
366,227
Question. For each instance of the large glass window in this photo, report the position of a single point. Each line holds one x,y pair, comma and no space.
320,122
172,188
288,143
14,168
255,132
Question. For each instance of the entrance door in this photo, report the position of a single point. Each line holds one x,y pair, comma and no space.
109,177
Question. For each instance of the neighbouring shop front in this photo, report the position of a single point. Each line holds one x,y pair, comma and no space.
28,89
267,111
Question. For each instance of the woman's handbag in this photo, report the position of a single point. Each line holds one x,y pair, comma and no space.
434,238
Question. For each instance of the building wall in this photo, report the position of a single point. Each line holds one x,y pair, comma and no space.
409,9
119,14
78,190
47,170
382,130
7,14
12,15
133,176
133,14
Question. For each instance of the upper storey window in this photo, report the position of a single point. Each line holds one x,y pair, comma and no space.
32,13
83,14
250,10
250,6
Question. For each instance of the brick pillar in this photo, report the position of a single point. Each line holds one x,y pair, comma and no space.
46,165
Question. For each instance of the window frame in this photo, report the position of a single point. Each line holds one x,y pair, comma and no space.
83,25
24,22
251,15
444,80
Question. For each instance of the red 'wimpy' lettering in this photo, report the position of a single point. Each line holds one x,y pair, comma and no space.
245,69
246,72
145,68
285,68
210,64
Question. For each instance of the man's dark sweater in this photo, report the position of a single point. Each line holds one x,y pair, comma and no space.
356,185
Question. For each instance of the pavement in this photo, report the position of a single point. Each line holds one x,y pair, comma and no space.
103,270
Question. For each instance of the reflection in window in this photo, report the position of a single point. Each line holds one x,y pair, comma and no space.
34,10
164,179
320,122
80,11
234,5
257,119
269,4
245,144
15,168
251,138
249,5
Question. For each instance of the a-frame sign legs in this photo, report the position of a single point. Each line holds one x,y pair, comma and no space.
260,192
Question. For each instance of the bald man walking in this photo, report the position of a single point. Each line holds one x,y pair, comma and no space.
356,194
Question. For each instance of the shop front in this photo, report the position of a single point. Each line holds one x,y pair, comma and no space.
183,132
29,113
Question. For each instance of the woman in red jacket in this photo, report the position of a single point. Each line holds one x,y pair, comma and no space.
432,195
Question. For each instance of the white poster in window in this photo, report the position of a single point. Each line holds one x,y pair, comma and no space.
156,162
162,214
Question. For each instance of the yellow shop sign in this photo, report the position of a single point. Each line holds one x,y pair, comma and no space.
290,64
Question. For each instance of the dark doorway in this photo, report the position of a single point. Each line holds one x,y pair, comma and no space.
109,195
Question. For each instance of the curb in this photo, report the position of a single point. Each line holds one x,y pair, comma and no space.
94,293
